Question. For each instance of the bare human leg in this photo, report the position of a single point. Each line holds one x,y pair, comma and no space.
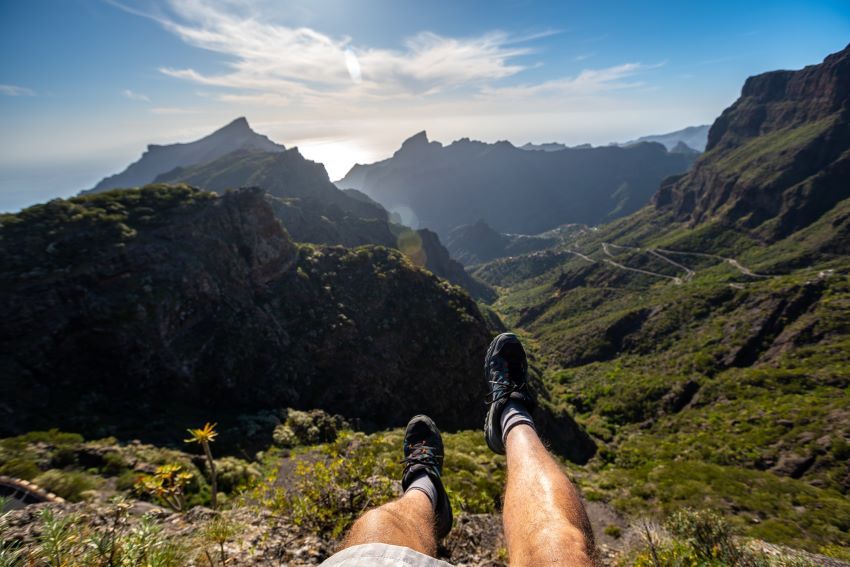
545,522
406,522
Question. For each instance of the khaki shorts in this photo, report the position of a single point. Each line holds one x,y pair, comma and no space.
381,555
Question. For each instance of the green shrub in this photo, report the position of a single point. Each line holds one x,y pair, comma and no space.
235,473
113,464
52,437
64,540
706,532
613,531
20,467
307,428
330,493
68,484
127,480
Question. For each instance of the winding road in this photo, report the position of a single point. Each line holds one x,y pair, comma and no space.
661,254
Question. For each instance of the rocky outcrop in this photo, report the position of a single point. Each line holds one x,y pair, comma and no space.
158,159
778,158
138,312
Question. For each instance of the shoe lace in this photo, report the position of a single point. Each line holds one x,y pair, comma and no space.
423,454
502,387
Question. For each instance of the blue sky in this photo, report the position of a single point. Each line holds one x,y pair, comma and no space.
86,84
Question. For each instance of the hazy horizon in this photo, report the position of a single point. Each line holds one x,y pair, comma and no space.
94,81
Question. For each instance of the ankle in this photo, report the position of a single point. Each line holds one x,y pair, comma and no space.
514,414
423,483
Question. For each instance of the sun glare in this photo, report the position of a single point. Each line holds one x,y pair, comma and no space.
338,156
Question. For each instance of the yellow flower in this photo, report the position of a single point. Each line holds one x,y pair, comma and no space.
206,434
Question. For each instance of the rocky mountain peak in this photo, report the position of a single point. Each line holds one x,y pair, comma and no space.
777,159
158,159
781,99
416,144
238,124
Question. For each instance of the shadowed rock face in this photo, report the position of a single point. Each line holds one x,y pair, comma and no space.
314,210
203,303
477,243
778,158
282,174
159,159
516,191
139,312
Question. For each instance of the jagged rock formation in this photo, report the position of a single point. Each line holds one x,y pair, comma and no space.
158,159
477,243
134,312
517,191
778,158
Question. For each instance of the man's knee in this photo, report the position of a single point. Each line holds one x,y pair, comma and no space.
381,520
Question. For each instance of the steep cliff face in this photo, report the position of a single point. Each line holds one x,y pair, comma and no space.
778,158
134,310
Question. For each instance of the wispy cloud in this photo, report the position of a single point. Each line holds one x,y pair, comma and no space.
586,83
583,56
272,64
14,90
136,96
303,62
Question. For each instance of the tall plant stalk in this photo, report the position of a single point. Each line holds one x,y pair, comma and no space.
204,437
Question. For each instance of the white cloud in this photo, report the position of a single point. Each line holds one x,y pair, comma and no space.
586,83
300,61
271,64
136,96
343,100
14,90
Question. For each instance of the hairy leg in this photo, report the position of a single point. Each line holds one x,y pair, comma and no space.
407,522
545,522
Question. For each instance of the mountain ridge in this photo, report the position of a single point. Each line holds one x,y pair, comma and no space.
161,158
454,185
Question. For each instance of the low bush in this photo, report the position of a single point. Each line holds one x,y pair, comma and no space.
307,428
70,485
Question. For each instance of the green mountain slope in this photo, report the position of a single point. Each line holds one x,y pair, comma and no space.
705,340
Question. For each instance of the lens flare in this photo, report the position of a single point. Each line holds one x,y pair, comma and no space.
410,243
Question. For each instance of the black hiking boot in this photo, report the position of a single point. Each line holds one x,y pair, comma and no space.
423,451
506,372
